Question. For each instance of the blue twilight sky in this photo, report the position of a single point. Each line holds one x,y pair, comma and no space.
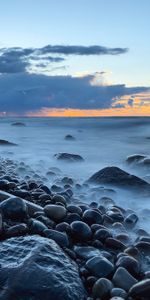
108,23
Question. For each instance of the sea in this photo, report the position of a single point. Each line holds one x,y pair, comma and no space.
101,141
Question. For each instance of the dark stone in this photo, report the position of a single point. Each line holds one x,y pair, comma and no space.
86,252
63,227
118,177
114,244
123,279
36,227
102,288
69,137
141,290
92,216
135,158
81,231
131,219
144,247
17,230
130,264
14,208
59,198
6,143
38,269
72,217
55,212
74,209
69,157
118,292
99,266
60,238
18,124
102,235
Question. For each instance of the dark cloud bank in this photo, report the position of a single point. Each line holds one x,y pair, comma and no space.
17,60
22,92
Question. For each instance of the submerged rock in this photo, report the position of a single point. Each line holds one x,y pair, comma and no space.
36,268
135,158
18,124
6,143
69,157
118,177
69,137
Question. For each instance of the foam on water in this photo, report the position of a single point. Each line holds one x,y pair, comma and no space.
100,141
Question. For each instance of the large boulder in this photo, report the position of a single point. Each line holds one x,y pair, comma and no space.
118,177
69,157
34,267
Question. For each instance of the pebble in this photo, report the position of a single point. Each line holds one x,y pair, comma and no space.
55,212
102,288
60,238
92,216
141,290
81,231
123,279
99,266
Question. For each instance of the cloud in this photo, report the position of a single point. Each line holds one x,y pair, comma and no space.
23,93
18,60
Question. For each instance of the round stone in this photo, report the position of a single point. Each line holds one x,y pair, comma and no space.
99,266
55,212
81,231
92,216
14,208
102,288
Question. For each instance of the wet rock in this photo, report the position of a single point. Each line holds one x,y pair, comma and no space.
143,247
114,244
18,124
141,290
118,177
72,217
63,227
60,238
37,269
59,198
68,157
86,252
74,209
14,208
69,137
17,230
55,212
118,292
92,216
6,143
102,235
81,231
130,264
102,288
123,279
135,158
36,227
131,219
100,266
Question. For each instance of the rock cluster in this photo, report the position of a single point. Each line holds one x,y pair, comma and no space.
59,247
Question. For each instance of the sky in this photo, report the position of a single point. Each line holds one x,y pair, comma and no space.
74,58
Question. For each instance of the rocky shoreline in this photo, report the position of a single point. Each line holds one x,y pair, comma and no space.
55,246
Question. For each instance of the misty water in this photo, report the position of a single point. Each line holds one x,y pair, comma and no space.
100,141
